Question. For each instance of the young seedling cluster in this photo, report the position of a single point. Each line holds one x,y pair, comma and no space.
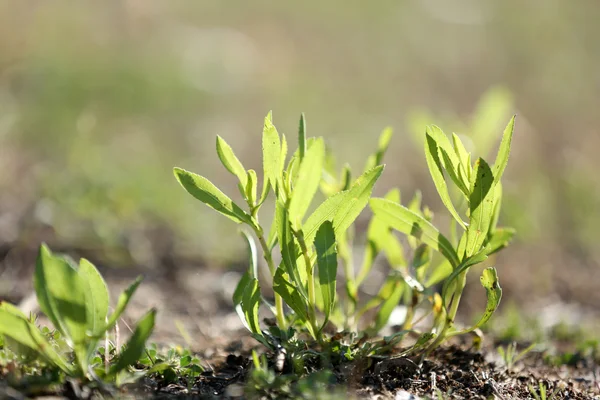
75,299
311,245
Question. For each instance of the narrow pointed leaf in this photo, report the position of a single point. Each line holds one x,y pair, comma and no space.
481,204
250,304
384,142
464,158
136,344
122,303
409,223
437,174
302,137
271,145
287,291
202,189
504,150
307,184
230,161
289,251
344,207
390,302
251,186
327,263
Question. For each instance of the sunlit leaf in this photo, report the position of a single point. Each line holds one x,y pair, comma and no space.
202,189
230,161
504,150
343,208
250,304
481,204
136,344
307,184
409,223
325,245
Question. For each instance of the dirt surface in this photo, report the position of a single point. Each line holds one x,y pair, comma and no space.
195,311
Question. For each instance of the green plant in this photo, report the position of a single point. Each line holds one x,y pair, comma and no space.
173,365
511,356
480,195
75,300
311,247
542,394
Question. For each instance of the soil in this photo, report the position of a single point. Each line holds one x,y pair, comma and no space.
195,311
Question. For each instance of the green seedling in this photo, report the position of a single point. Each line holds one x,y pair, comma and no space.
75,300
309,244
542,393
510,354
313,244
480,191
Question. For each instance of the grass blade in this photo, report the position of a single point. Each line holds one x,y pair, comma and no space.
327,263
409,223
136,344
202,189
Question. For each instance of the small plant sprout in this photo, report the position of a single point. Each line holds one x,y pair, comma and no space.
511,356
542,394
75,300
313,244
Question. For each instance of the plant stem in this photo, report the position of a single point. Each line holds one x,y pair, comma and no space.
312,313
279,314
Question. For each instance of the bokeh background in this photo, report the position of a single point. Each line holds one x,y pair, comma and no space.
99,100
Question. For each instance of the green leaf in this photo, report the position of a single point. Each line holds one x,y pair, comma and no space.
289,294
251,186
307,184
436,169
302,137
97,299
344,207
271,145
409,223
202,189
462,267
380,238
489,281
122,303
391,300
289,250
504,151
61,296
230,161
499,239
464,158
481,205
14,325
136,344
250,304
327,263
384,142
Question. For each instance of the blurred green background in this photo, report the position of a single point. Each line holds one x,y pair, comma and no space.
99,100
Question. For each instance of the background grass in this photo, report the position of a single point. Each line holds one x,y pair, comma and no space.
98,101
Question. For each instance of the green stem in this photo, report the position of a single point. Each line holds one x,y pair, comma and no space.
279,314
312,312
